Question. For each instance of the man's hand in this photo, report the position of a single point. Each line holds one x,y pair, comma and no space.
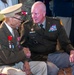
71,56
27,52
26,68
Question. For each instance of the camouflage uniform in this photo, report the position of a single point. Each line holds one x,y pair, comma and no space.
27,7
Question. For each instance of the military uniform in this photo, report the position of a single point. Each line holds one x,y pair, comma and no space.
43,41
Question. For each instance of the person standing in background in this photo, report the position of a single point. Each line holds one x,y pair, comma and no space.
15,2
72,25
26,7
63,10
6,3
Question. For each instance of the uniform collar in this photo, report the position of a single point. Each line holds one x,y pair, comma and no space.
44,24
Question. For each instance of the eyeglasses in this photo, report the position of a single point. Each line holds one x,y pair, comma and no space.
17,18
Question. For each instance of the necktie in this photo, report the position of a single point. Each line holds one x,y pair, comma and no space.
41,25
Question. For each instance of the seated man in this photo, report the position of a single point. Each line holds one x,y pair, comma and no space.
13,59
40,36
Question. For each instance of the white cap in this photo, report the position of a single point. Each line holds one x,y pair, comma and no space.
12,10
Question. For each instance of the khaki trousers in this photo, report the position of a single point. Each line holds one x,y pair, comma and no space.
37,68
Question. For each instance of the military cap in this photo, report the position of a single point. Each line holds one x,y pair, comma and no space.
1,17
11,10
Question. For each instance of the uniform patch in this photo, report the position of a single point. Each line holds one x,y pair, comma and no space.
53,28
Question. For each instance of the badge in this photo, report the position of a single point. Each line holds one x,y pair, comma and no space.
53,28
32,30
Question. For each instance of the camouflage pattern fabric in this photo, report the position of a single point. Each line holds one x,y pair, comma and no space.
27,7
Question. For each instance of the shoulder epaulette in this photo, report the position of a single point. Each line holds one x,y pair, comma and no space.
56,18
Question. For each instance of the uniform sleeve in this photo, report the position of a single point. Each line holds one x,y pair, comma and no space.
63,39
24,35
9,57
